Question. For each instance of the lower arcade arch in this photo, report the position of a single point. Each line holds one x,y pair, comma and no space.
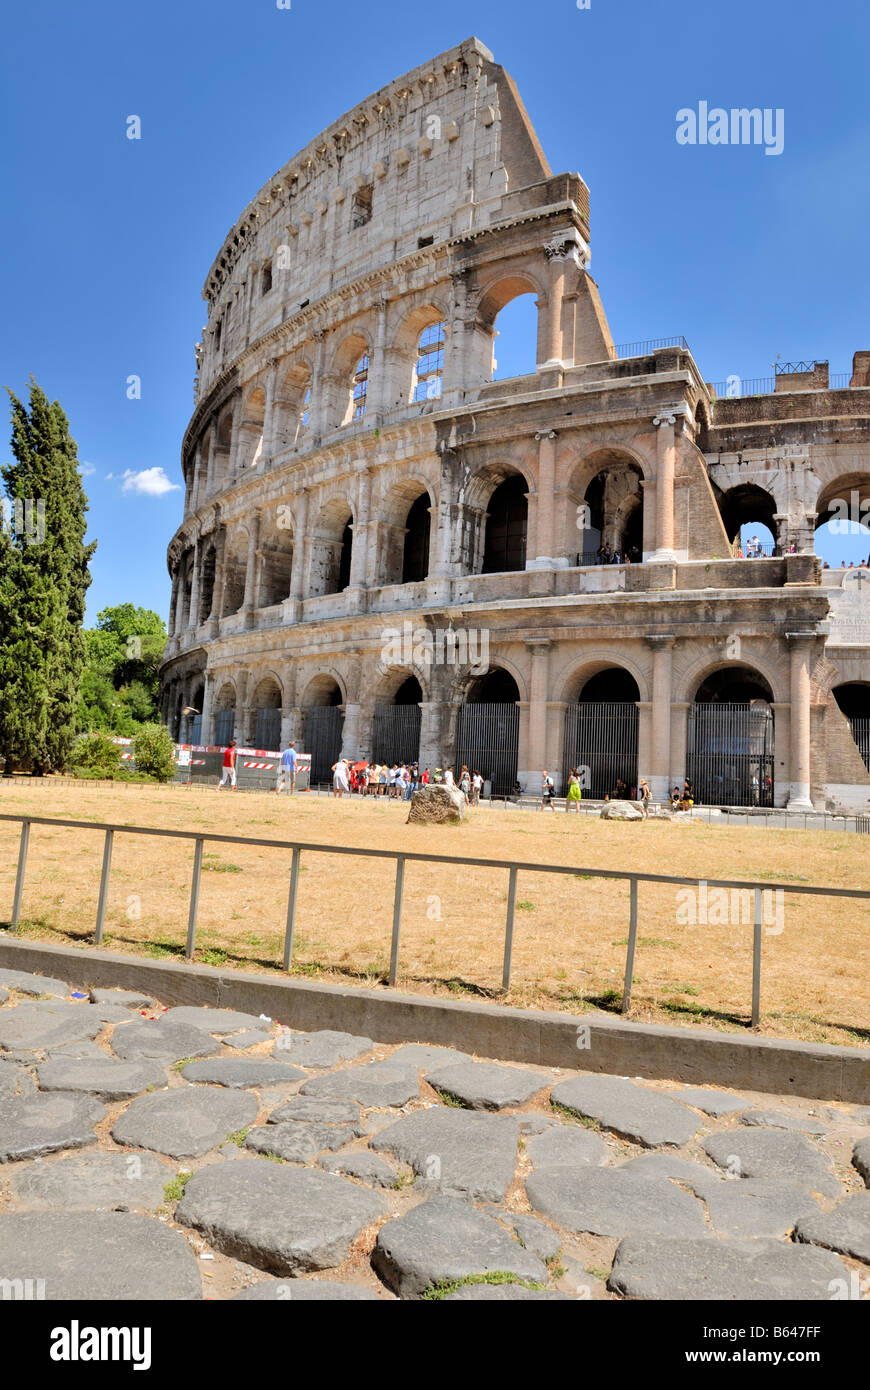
396,725
488,730
323,713
601,733
730,753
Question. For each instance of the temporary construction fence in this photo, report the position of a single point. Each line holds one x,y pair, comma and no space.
756,893
256,768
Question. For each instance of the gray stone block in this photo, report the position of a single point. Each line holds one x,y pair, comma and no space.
459,1152
366,1167
26,983
239,1072
322,1049
373,1083
185,1122
780,1119
711,1102
691,1270
217,1021
635,1112
694,1176
15,1081
613,1202
239,1042
91,1180
41,1124
486,1086
846,1229
282,1219
445,1239
426,1058
758,1207
773,1153
320,1110
46,1024
161,1041
297,1143
861,1159
106,1078
99,1255
534,1235
562,1145
126,998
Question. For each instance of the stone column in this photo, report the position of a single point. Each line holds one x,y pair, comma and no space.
801,647
545,541
432,734
679,770
269,414
536,745
562,250
207,700
172,625
193,616
233,467
317,412
251,570
381,396
359,557
665,469
297,569
658,774
350,731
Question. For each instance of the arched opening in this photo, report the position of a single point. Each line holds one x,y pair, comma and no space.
429,365
601,734
748,513
191,724
206,585
292,408
267,715
611,515
235,570
731,739
488,730
186,590
506,524
251,430
276,560
224,715
415,558
853,701
324,724
515,338
842,526
396,726
331,550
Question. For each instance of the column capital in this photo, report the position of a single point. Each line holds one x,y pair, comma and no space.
660,640
538,644
796,638
545,434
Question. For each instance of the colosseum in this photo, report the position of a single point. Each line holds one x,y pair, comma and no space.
387,552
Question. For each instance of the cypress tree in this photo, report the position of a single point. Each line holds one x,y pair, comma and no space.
44,581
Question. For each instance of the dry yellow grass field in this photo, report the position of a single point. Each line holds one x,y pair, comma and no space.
569,948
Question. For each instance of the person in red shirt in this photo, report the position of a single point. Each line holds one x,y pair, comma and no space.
229,772
426,778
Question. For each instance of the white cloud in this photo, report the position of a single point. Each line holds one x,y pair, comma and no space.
152,482
86,469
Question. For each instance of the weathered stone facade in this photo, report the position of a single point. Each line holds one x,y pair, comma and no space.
357,484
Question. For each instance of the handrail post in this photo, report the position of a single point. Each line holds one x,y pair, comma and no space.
632,942
509,930
291,907
194,897
756,961
397,918
104,887
19,877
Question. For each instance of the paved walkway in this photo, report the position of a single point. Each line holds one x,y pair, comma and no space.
190,1153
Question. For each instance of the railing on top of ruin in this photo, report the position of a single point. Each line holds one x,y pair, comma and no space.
737,387
648,345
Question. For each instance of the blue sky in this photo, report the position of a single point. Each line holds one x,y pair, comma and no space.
106,241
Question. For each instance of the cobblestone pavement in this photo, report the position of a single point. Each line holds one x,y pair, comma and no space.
189,1153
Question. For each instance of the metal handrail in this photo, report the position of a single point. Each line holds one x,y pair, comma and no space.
401,857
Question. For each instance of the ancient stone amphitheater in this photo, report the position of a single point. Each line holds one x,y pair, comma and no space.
386,550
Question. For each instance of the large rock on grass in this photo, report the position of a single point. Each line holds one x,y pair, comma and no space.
436,805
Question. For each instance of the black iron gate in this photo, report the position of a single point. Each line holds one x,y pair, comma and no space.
396,733
730,754
267,729
224,724
323,729
488,739
861,735
601,744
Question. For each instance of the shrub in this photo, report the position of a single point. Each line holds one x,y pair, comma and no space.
95,755
154,752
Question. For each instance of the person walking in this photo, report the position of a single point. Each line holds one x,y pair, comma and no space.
645,796
465,783
427,777
572,798
229,767
548,791
476,787
287,772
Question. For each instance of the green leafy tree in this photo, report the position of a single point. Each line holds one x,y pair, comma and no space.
45,577
121,686
153,749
